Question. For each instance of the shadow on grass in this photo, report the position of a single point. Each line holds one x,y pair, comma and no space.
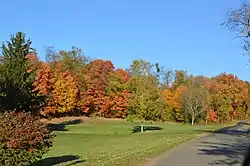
231,144
145,128
61,126
58,160
230,130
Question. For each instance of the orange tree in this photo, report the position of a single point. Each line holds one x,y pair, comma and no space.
172,98
229,97
116,95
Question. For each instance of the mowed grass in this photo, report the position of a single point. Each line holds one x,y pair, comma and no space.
113,143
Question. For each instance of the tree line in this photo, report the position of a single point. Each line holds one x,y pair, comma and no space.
68,83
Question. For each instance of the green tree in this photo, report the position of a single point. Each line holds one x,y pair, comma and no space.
141,68
145,100
16,78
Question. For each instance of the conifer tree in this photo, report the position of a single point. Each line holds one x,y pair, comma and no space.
15,78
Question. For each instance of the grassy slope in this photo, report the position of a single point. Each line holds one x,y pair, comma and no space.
112,143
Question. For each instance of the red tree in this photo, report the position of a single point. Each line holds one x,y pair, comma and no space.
96,76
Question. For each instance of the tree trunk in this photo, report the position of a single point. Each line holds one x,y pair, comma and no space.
192,121
142,127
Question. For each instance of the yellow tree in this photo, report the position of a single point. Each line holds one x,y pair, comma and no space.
58,87
65,92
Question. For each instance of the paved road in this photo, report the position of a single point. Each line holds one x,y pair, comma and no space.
227,147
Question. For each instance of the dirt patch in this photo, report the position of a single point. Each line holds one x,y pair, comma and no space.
97,120
83,119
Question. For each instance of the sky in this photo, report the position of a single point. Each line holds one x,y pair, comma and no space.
183,34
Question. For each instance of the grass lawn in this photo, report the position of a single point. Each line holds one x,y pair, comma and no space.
112,143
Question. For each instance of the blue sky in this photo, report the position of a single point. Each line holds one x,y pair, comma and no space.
183,34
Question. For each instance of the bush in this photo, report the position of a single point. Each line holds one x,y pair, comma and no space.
23,139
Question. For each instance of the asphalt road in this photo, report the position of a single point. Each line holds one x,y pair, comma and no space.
227,146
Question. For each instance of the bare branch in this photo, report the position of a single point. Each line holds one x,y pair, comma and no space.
193,100
238,21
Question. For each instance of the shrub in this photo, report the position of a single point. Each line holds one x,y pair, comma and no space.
23,138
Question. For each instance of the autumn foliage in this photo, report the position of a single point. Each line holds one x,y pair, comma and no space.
172,98
68,83
96,88
229,96
23,139
116,95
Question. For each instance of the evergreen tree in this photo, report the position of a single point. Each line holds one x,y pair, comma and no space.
15,79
